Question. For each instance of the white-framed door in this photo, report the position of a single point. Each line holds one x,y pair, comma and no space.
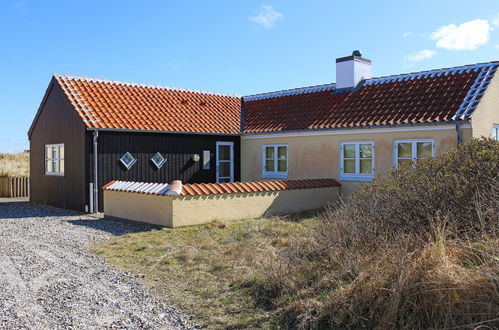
225,161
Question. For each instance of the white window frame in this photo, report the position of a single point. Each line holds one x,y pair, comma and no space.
158,166
414,149
274,174
357,176
128,166
58,160
495,132
219,161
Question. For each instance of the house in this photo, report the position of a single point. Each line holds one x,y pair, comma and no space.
88,132
363,126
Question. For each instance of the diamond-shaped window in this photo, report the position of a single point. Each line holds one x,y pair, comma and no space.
128,160
158,160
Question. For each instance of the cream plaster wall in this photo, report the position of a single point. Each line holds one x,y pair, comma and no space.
172,211
314,157
487,112
192,210
152,209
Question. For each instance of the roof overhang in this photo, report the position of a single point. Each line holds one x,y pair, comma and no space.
147,131
433,126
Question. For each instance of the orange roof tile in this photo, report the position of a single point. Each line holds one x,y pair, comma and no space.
221,188
423,97
120,105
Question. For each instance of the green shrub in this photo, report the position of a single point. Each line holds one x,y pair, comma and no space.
419,248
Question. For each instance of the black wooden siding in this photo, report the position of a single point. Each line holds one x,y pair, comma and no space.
57,122
177,148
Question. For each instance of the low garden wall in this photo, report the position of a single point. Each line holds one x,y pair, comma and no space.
202,203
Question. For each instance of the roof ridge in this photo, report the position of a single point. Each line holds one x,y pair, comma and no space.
129,83
291,91
465,67
381,79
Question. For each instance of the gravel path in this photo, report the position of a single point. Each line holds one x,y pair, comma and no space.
49,279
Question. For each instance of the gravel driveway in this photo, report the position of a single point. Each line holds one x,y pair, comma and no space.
49,279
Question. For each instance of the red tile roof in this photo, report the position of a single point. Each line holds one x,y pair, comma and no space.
120,105
424,97
220,188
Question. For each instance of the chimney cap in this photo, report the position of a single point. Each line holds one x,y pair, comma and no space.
356,55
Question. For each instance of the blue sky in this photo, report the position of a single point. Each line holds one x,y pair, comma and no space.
237,47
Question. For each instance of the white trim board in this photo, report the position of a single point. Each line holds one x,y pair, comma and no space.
343,131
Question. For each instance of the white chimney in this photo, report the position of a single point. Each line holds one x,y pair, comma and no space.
351,70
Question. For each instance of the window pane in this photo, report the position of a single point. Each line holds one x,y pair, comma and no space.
403,163
404,150
61,169
366,151
424,149
223,152
269,165
282,165
48,165
55,153
366,166
55,166
48,152
269,152
61,152
224,169
282,152
349,150
349,166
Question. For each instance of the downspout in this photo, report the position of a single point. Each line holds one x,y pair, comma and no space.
96,187
459,134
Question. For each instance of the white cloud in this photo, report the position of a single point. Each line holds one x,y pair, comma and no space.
496,46
406,34
467,36
267,17
495,21
421,55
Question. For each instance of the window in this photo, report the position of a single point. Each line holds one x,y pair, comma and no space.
127,160
206,159
357,161
495,132
275,161
54,159
158,160
408,152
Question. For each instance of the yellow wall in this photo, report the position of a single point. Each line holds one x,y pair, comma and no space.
192,210
314,157
487,112
173,211
152,209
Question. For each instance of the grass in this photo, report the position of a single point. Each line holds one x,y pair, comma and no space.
207,270
417,249
14,165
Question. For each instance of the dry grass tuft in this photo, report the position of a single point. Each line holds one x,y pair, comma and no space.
14,165
207,270
417,249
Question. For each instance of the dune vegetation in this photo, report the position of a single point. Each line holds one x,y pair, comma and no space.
14,165
417,249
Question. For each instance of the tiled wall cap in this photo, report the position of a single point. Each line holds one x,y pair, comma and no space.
176,188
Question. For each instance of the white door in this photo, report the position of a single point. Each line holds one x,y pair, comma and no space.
225,161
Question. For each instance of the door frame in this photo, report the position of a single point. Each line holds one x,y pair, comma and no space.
225,143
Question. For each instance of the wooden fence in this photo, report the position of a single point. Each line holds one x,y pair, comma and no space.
14,187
